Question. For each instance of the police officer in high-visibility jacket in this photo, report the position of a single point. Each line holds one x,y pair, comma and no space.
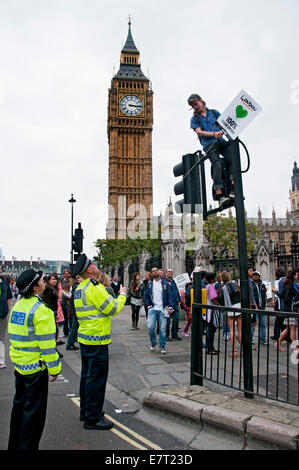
94,309
32,336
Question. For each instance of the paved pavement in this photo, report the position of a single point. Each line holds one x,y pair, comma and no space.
140,380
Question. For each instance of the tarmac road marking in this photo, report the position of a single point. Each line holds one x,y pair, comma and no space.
76,401
142,439
135,434
127,439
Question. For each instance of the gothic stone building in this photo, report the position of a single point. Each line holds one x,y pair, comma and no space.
281,230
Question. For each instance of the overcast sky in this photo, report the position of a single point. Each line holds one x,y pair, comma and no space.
57,60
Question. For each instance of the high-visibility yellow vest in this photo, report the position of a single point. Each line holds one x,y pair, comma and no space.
203,298
32,336
94,308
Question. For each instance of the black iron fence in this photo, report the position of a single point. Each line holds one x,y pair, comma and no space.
290,260
265,368
231,265
155,261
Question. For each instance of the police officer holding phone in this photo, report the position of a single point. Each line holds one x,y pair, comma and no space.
94,308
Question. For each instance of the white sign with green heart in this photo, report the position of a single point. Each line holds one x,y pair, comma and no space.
239,114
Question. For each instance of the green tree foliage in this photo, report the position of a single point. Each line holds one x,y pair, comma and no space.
110,252
221,233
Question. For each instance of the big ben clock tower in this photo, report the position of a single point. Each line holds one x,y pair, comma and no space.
130,124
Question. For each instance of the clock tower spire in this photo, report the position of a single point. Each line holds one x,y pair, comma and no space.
129,59
130,124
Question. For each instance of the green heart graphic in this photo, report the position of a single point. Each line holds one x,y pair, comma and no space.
241,112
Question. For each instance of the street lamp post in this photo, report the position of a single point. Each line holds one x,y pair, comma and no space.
72,201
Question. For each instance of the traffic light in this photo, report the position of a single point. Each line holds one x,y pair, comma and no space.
190,185
78,242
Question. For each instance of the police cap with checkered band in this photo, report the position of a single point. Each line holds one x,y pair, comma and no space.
27,279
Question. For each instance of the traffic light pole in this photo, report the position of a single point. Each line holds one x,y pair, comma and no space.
196,373
243,266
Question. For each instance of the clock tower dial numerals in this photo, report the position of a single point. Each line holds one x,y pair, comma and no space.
131,105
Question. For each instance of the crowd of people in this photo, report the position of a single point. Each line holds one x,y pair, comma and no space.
222,290
146,300
157,298
59,297
143,295
80,305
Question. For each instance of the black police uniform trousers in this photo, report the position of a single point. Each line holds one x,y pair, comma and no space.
28,414
94,375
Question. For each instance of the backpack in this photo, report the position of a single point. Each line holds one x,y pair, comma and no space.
234,293
290,296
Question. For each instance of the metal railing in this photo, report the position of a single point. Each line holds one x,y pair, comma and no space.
266,370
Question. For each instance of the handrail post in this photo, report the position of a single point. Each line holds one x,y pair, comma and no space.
197,333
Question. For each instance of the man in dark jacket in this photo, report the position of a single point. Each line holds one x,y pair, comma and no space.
72,338
115,284
260,297
175,316
159,301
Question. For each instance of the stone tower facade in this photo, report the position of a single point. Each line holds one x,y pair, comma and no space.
294,192
130,124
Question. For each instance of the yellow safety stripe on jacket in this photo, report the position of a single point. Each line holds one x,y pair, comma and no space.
94,309
32,335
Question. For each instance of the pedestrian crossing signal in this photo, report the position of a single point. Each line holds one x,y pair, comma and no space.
78,241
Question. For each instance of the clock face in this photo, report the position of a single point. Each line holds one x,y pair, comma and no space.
131,105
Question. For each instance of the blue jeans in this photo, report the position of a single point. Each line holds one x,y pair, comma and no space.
225,329
261,321
175,317
153,316
94,374
72,338
262,327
